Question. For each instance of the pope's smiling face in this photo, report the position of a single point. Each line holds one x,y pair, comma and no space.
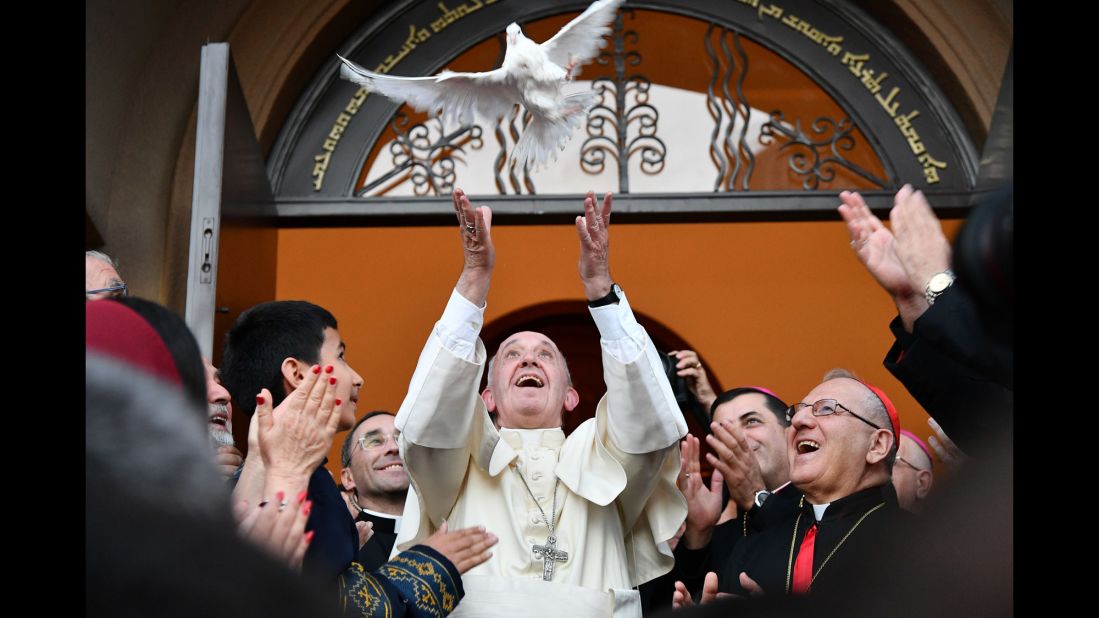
529,387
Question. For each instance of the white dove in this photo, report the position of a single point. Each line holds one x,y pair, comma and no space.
532,74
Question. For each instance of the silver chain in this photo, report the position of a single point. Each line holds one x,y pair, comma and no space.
553,510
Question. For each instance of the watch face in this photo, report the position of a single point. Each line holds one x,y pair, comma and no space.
940,282
761,496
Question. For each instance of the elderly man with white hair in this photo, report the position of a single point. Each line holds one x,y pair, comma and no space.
101,278
581,519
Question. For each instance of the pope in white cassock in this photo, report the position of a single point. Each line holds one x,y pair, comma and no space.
581,520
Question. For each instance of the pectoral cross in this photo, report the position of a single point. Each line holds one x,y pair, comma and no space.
550,554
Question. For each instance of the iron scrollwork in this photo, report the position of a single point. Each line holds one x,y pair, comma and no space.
602,118
502,161
731,153
428,162
815,156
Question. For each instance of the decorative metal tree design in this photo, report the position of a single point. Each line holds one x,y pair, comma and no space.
605,119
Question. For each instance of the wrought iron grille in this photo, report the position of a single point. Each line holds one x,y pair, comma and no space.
428,162
603,118
730,154
623,125
828,136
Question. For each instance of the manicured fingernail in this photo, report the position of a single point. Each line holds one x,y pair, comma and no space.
259,400
316,368
308,537
301,495
280,496
338,402
308,507
329,369
331,380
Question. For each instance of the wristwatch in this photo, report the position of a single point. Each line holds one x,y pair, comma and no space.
609,299
760,497
937,285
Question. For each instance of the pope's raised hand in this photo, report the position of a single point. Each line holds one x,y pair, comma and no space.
479,256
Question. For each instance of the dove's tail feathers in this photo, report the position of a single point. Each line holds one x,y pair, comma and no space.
543,138
536,145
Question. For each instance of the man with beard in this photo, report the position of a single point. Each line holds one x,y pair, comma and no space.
377,483
220,422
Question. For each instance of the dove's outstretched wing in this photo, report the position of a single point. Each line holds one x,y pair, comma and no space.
580,40
457,94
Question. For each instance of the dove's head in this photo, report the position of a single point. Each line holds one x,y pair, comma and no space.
514,32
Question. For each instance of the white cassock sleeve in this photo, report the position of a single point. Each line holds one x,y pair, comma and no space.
441,418
638,424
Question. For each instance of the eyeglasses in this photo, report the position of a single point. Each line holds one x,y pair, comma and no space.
377,440
902,460
824,407
115,290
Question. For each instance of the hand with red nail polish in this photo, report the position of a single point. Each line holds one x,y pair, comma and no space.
291,441
329,369
294,437
277,530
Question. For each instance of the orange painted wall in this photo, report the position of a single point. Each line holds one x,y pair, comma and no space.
774,304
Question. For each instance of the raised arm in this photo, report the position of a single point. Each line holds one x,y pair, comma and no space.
442,418
475,227
875,246
637,427
593,229
922,248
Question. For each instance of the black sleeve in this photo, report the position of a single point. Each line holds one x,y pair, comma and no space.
965,393
335,539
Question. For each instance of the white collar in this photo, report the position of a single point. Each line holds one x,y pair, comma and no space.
396,518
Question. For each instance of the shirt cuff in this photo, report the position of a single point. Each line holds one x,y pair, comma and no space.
460,326
619,331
